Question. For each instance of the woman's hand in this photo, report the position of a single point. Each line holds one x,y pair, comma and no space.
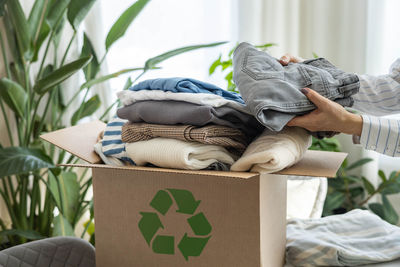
287,58
329,116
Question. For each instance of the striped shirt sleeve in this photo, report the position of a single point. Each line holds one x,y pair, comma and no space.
381,135
380,95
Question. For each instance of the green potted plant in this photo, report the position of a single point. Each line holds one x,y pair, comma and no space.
42,199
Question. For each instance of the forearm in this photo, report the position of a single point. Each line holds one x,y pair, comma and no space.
381,135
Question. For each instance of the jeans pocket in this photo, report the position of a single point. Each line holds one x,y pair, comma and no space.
261,66
306,79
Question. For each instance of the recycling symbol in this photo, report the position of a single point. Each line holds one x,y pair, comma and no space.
188,245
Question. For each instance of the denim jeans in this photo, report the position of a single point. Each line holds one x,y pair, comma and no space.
272,91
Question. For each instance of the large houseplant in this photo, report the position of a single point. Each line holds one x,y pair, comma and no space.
44,200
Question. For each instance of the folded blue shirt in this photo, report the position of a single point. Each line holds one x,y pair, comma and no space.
185,85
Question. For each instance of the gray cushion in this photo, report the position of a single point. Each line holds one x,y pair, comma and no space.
50,252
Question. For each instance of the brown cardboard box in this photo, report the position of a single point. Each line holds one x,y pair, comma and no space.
164,217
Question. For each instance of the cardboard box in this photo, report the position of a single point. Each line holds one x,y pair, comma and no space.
163,217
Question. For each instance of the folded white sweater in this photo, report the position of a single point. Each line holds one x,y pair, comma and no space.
173,153
273,152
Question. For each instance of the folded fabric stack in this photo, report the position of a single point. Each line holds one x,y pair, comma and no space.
178,123
188,124
356,238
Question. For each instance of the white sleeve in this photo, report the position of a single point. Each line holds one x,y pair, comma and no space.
381,135
379,95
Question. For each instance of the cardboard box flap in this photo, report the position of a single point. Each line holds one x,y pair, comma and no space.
78,140
242,175
317,163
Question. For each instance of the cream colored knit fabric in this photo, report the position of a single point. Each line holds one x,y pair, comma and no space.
273,152
177,154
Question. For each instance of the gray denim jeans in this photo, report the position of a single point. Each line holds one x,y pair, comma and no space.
272,91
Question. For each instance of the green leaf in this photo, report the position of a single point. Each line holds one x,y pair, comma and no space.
43,33
394,176
358,163
357,191
124,21
37,17
336,183
152,62
69,194
88,109
53,188
2,3
19,160
29,234
265,46
315,55
368,186
332,141
352,179
14,95
128,84
56,11
390,188
58,31
21,28
382,175
107,77
214,65
232,50
62,227
377,208
65,190
93,67
59,75
77,11
229,77
226,64
389,213
334,201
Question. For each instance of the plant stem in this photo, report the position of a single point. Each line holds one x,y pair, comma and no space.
68,47
34,115
45,55
67,106
23,201
29,104
82,104
86,227
140,75
49,99
7,123
108,110
3,51
34,200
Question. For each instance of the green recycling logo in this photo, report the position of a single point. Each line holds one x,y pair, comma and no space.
150,223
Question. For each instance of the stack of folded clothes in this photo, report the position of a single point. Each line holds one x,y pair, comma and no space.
178,123
184,123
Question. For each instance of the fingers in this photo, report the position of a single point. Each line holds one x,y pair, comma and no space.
287,58
316,98
299,121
